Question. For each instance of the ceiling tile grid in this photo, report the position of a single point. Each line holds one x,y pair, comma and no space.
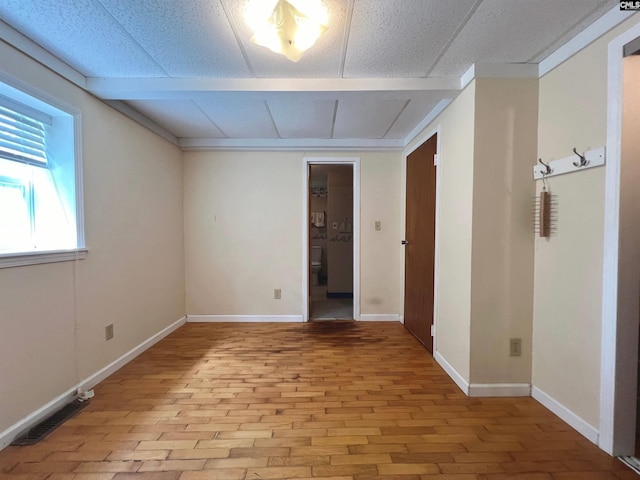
187,38
511,31
400,38
300,115
186,42
183,118
323,60
81,33
240,115
363,114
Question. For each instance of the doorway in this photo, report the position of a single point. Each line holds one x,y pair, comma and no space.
331,248
331,238
621,268
419,242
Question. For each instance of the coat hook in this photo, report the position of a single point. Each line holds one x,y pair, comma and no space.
547,170
583,160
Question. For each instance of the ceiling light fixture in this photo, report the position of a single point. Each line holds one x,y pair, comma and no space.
289,28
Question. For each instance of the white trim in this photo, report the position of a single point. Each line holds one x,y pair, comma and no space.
505,70
355,162
431,116
595,158
290,144
21,259
17,429
594,31
27,46
244,318
381,317
305,241
179,88
468,77
574,421
35,98
100,375
79,179
499,390
11,433
417,142
452,372
619,302
142,119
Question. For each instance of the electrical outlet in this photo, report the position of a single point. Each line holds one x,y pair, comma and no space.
515,347
277,294
378,225
108,332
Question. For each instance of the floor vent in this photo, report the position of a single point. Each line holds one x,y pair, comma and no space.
48,425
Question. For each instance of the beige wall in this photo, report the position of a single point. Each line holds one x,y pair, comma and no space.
455,209
340,239
243,232
319,234
568,266
381,254
502,252
132,277
485,246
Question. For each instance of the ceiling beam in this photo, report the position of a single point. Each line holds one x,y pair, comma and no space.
281,144
181,88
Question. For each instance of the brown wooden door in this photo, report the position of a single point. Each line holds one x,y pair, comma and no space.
420,242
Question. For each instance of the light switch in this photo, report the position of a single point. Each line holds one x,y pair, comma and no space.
378,226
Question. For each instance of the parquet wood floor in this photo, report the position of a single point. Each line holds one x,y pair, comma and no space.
332,400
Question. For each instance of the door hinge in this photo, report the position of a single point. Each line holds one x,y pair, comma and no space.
433,330
435,159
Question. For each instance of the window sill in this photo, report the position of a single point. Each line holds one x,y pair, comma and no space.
21,259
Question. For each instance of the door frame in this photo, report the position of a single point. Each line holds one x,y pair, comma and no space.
415,144
348,161
620,283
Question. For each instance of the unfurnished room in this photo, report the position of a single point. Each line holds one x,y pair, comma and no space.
339,239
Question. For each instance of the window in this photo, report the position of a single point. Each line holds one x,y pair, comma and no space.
39,200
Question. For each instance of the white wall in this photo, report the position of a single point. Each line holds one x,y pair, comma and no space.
502,252
567,320
485,246
455,209
243,232
382,255
52,316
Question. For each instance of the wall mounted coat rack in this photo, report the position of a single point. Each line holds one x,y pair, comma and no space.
574,163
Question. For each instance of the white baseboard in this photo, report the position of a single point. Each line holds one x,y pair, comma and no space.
380,317
244,318
453,373
11,433
100,375
499,390
582,426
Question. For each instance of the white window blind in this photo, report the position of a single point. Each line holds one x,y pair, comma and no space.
22,138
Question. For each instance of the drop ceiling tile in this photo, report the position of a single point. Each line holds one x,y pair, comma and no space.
188,38
513,31
415,111
601,8
366,116
400,38
302,115
240,116
183,118
81,33
321,60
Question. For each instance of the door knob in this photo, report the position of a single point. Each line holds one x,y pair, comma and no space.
405,242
